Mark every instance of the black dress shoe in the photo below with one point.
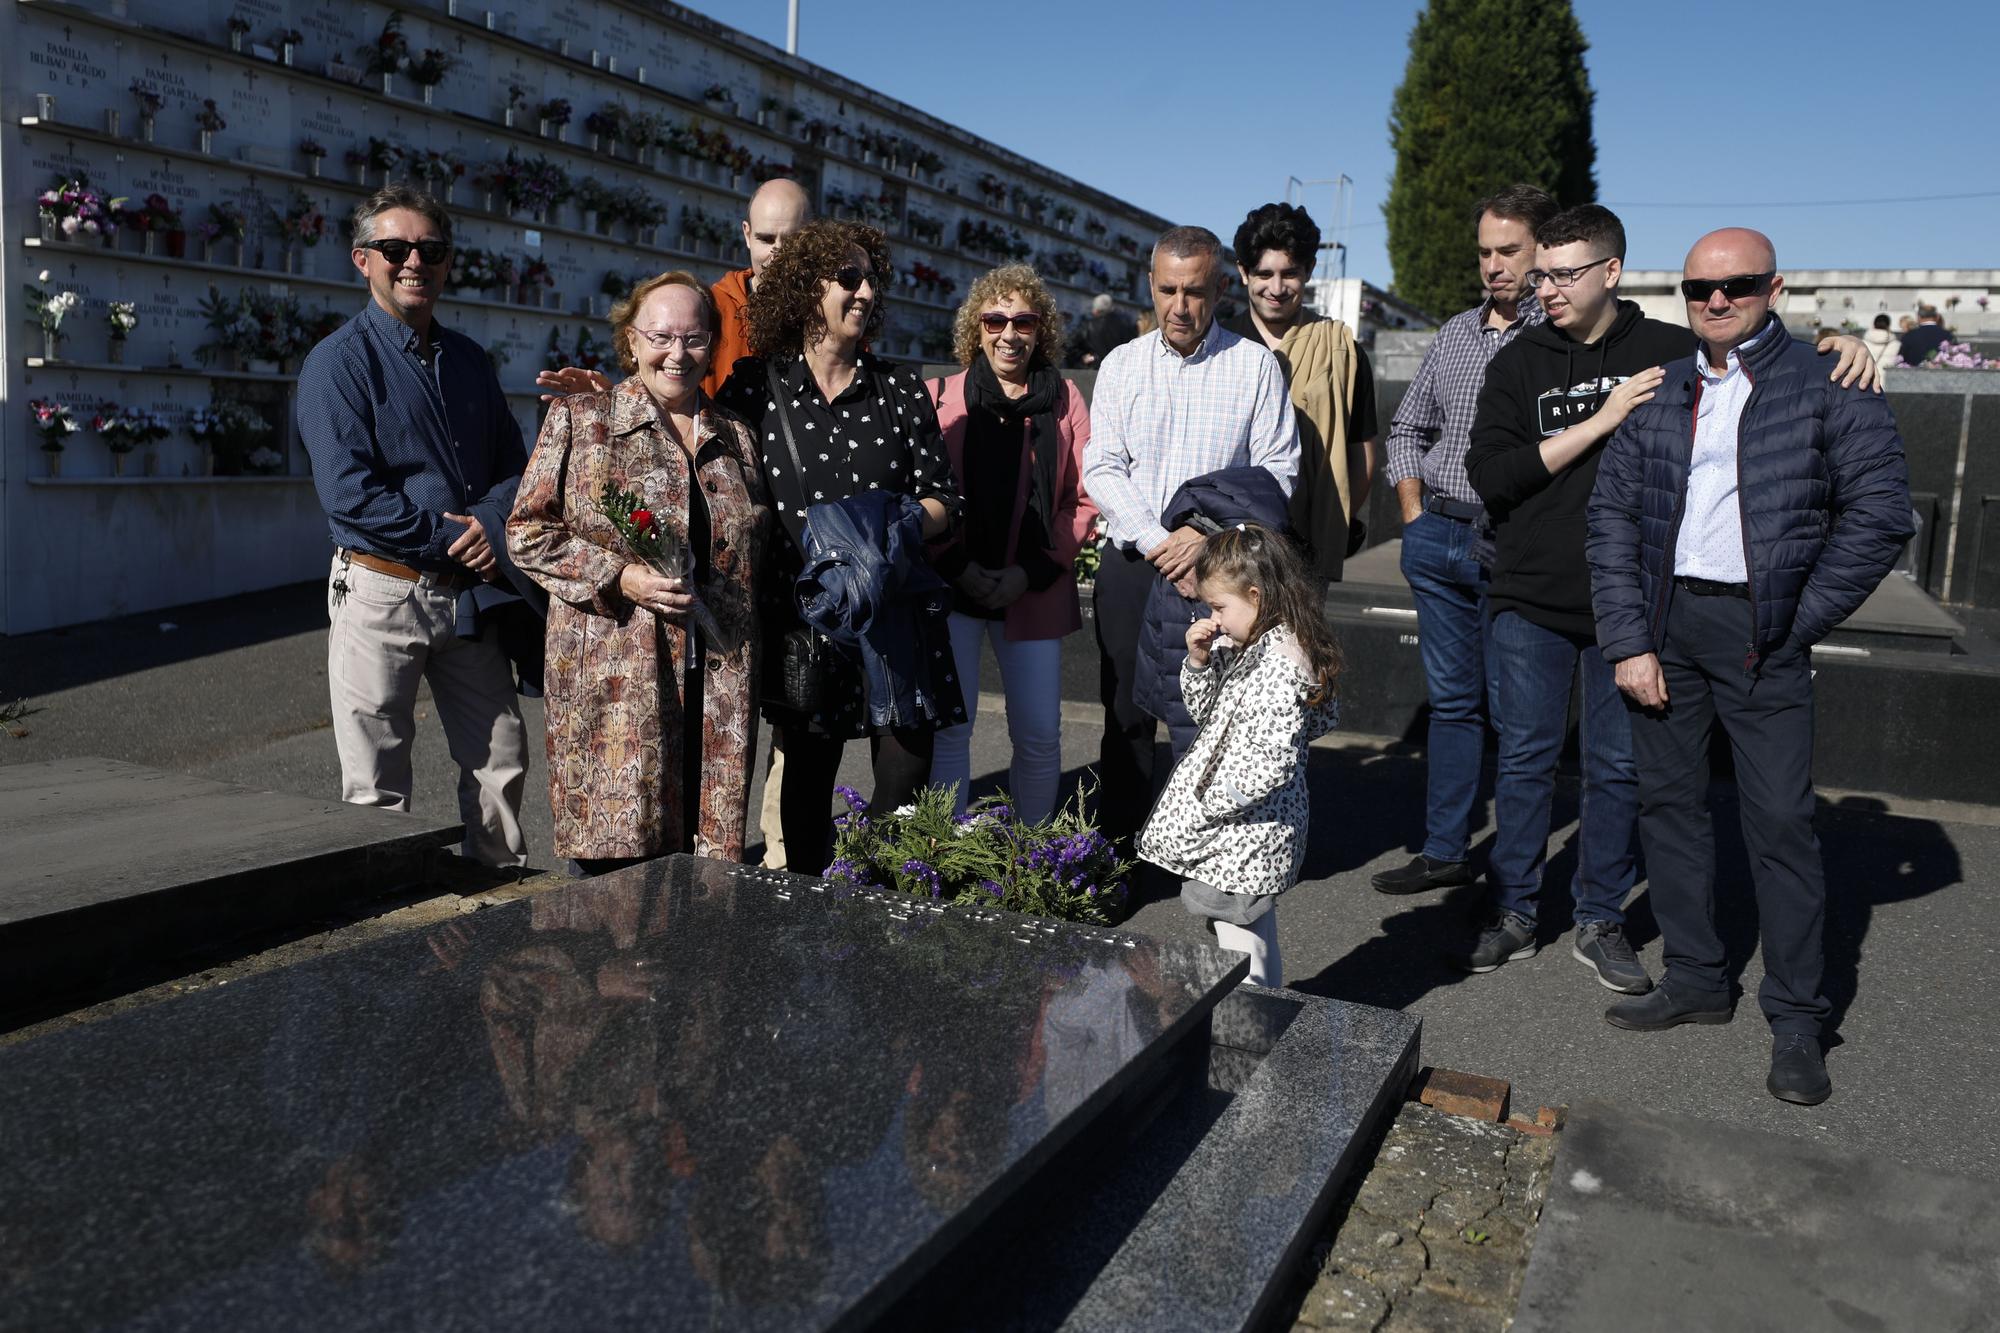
(1421, 875)
(1661, 1008)
(1798, 1070)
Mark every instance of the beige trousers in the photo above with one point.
(387, 634)
(767, 813)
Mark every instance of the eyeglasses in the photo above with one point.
(1561, 277)
(851, 276)
(660, 341)
(1736, 288)
(995, 322)
(431, 252)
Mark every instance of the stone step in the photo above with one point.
(112, 866)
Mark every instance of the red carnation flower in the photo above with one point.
(642, 518)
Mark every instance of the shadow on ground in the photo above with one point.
(61, 659)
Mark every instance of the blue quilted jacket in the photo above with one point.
(1821, 479)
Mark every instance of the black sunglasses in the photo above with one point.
(1736, 288)
(431, 252)
(995, 322)
(851, 276)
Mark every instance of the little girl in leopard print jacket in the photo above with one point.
(1259, 680)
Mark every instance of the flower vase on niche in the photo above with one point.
(45, 106)
(51, 345)
(208, 143)
(146, 129)
(51, 229)
(111, 121)
(429, 89)
(118, 462)
(388, 85)
(114, 351)
(286, 51)
(55, 461)
(149, 242)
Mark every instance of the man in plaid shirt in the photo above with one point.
(1443, 528)
(1188, 399)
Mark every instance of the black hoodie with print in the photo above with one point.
(1540, 385)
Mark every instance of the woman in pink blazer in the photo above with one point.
(1015, 431)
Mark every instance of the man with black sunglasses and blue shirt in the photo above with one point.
(416, 459)
(1738, 517)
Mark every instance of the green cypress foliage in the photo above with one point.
(1495, 92)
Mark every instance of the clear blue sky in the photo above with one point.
(1698, 101)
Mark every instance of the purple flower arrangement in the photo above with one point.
(988, 857)
(78, 209)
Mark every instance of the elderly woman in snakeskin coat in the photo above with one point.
(651, 705)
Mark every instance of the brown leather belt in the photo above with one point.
(455, 582)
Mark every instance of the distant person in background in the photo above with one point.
(1921, 343)
(1105, 329)
(1332, 385)
(1905, 324)
(1015, 431)
(1148, 322)
(1883, 345)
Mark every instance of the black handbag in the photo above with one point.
(798, 660)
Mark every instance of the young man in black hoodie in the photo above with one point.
(1551, 400)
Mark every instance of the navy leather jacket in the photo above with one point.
(867, 586)
(1210, 502)
(1821, 480)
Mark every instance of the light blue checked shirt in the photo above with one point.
(1159, 419)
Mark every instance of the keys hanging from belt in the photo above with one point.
(339, 588)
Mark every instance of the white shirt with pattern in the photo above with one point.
(1159, 419)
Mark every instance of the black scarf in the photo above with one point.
(993, 421)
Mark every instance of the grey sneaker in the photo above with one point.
(1603, 945)
(1508, 939)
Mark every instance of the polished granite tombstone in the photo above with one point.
(687, 1094)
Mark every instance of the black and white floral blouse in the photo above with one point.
(880, 433)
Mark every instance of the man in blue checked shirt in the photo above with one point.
(1444, 560)
(416, 459)
(1188, 399)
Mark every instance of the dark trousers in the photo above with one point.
(1125, 768)
(1768, 719)
(902, 764)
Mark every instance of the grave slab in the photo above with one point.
(1666, 1222)
(687, 1094)
(110, 864)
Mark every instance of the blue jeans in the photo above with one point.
(1535, 669)
(1450, 591)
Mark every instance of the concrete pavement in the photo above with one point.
(237, 692)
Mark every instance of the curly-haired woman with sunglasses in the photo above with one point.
(834, 422)
(1015, 431)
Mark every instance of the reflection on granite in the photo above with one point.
(686, 1094)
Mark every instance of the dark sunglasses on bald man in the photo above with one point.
(431, 252)
(1736, 288)
(851, 276)
(995, 322)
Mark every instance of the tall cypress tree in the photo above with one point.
(1495, 92)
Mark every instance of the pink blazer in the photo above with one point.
(1054, 611)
